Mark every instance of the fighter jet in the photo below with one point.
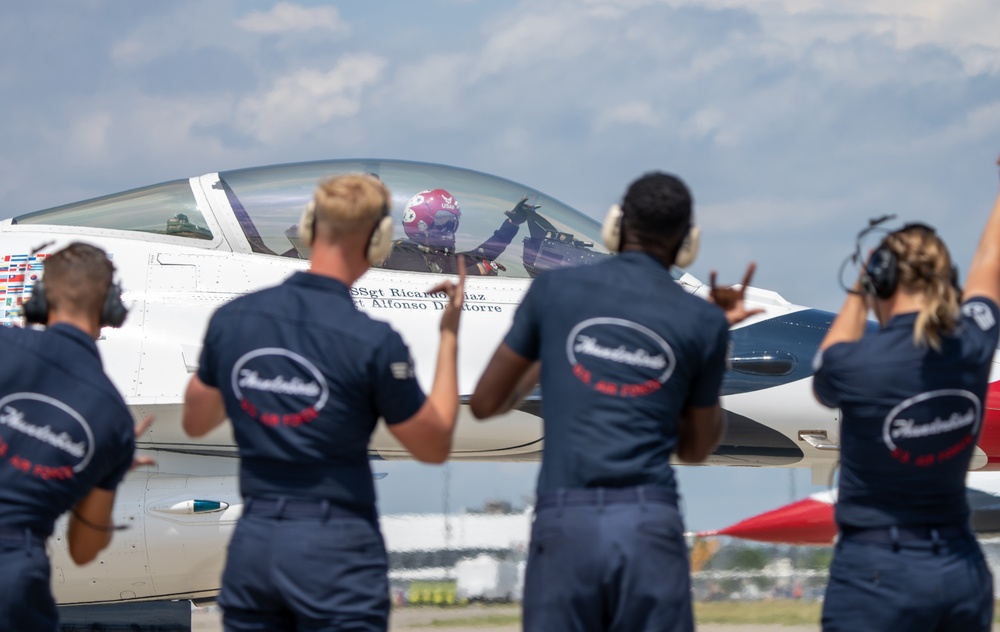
(184, 247)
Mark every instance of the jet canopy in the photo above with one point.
(268, 202)
(257, 210)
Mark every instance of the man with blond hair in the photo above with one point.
(303, 376)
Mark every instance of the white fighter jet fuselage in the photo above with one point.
(185, 247)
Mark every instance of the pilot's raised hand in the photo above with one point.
(730, 299)
(519, 214)
(456, 298)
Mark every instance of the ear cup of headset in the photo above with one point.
(611, 235)
(380, 243)
(36, 308)
(113, 312)
(611, 229)
(689, 248)
(307, 223)
(881, 273)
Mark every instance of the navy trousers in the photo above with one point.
(26, 602)
(305, 566)
(610, 560)
(928, 584)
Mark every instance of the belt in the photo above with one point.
(905, 535)
(598, 496)
(305, 509)
(24, 534)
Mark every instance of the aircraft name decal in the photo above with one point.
(398, 298)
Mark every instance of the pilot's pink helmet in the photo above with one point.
(431, 218)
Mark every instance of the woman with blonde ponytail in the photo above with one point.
(911, 397)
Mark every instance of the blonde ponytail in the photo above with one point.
(925, 268)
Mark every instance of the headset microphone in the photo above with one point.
(856, 257)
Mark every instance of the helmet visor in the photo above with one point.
(445, 222)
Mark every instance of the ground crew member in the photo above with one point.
(304, 377)
(911, 398)
(66, 436)
(630, 367)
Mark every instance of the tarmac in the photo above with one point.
(421, 618)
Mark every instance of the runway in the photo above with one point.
(474, 619)
(487, 619)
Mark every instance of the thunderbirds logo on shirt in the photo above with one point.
(43, 437)
(932, 427)
(619, 357)
(278, 387)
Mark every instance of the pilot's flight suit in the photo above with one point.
(623, 351)
(64, 429)
(906, 558)
(305, 377)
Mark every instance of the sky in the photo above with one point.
(793, 122)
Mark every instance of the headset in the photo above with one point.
(880, 274)
(611, 235)
(379, 241)
(113, 312)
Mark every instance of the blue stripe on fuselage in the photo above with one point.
(776, 351)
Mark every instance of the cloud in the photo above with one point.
(308, 99)
(634, 113)
(286, 17)
(961, 27)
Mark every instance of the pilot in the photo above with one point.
(911, 399)
(66, 436)
(304, 377)
(631, 366)
(431, 219)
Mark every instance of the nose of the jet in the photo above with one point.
(806, 521)
(989, 437)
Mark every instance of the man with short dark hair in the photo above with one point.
(66, 436)
(630, 367)
(304, 377)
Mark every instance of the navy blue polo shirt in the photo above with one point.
(910, 418)
(624, 349)
(305, 377)
(64, 428)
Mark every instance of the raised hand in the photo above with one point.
(456, 298)
(730, 299)
(519, 214)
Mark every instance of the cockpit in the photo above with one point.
(169, 208)
(266, 204)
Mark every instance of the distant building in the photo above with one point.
(427, 546)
